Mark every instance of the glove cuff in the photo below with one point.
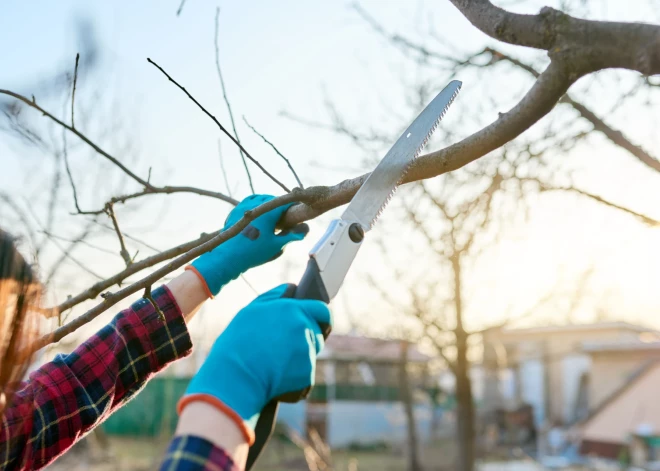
(246, 430)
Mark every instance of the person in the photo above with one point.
(269, 348)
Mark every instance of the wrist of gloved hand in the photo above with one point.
(268, 351)
(256, 244)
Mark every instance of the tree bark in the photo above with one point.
(407, 399)
(465, 413)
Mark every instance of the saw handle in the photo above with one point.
(310, 287)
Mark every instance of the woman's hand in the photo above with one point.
(254, 246)
(268, 350)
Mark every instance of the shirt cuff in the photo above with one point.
(190, 452)
(165, 326)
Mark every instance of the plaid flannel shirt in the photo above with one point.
(66, 398)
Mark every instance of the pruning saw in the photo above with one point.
(333, 254)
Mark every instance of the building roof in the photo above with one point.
(354, 347)
(643, 372)
(621, 345)
(576, 328)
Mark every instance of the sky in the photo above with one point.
(290, 56)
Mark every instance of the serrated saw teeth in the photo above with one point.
(417, 154)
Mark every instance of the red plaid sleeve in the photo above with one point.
(66, 398)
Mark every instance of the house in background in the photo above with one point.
(549, 368)
(624, 383)
(358, 398)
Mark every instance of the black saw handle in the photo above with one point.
(310, 287)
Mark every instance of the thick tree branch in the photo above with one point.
(614, 135)
(587, 45)
(539, 101)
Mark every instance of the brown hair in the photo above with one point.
(19, 292)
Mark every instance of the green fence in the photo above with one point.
(153, 410)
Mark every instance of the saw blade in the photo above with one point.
(374, 194)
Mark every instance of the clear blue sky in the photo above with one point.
(289, 55)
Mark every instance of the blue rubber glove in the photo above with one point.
(254, 246)
(268, 350)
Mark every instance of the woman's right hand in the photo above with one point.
(268, 350)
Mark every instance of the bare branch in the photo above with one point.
(67, 254)
(52, 236)
(148, 297)
(127, 236)
(614, 135)
(587, 45)
(222, 128)
(222, 167)
(226, 98)
(300, 185)
(65, 153)
(149, 189)
(178, 12)
(112, 159)
(164, 190)
(538, 102)
(110, 299)
(570, 189)
(73, 92)
(123, 252)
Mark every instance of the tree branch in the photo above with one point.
(180, 9)
(123, 252)
(73, 92)
(614, 135)
(226, 98)
(149, 189)
(222, 128)
(539, 101)
(588, 45)
(110, 299)
(300, 185)
(84, 138)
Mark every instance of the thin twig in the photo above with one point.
(178, 12)
(50, 235)
(66, 253)
(163, 190)
(276, 151)
(224, 94)
(123, 252)
(73, 93)
(128, 236)
(112, 159)
(149, 189)
(222, 128)
(148, 297)
(65, 153)
(222, 167)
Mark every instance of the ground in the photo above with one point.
(132, 454)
